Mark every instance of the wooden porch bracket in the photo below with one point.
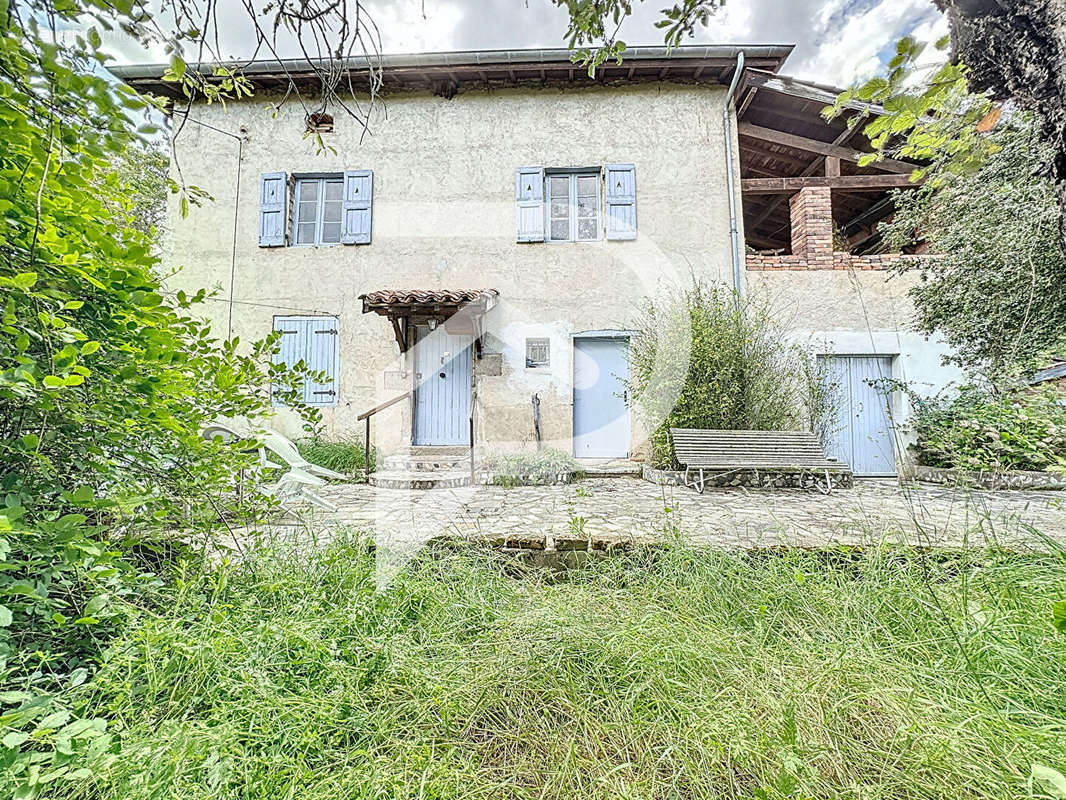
(821, 148)
(851, 183)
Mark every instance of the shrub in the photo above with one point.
(347, 455)
(978, 430)
(541, 466)
(700, 361)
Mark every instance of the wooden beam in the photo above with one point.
(832, 167)
(851, 183)
(822, 148)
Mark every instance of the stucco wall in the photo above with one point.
(444, 218)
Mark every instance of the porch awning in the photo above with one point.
(461, 310)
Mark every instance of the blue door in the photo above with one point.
(442, 388)
(861, 431)
(601, 418)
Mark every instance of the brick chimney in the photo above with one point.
(811, 213)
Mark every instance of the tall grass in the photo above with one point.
(678, 673)
(345, 455)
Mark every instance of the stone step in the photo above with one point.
(426, 462)
(407, 479)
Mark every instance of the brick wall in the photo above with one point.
(811, 212)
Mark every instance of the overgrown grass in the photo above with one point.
(536, 466)
(345, 455)
(673, 674)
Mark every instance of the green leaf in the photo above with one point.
(89, 348)
(14, 739)
(1051, 781)
(1058, 616)
(5, 616)
(24, 280)
(53, 381)
(30, 441)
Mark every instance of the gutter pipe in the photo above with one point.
(727, 124)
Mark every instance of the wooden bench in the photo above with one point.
(721, 452)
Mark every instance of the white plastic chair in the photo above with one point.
(300, 478)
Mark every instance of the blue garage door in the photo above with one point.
(861, 432)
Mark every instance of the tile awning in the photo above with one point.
(388, 302)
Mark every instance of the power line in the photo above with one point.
(260, 305)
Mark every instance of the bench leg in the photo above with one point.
(703, 485)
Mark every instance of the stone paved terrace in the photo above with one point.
(633, 509)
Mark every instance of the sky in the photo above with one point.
(837, 41)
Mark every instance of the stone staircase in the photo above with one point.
(424, 468)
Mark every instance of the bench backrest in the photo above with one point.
(713, 449)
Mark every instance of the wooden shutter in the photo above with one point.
(320, 355)
(529, 203)
(293, 337)
(273, 193)
(358, 201)
(621, 184)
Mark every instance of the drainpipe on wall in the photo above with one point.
(727, 124)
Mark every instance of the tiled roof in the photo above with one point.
(425, 297)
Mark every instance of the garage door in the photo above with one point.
(861, 432)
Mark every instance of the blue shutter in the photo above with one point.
(621, 201)
(358, 200)
(273, 192)
(529, 203)
(293, 336)
(320, 355)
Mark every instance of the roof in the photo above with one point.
(768, 104)
(495, 68)
(391, 298)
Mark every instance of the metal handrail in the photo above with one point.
(367, 415)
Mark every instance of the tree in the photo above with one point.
(134, 190)
(1016, 50)
(995, 287)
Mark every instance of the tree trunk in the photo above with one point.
(1016, 50)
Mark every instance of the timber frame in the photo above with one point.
(460, 311)
(787, 145)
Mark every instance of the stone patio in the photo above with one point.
(630, 509)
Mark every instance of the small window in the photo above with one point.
(312, 340)
(319, 206)
(536, 353)
(573, 207)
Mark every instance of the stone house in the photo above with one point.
(479, 250)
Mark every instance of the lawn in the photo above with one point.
(672, 673)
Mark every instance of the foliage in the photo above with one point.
(996, 289)
(540, 466)
(105, 382)
(135, 190)
(929, 113)
(346, 455)
(593, 28)
(976, 430)
(674, 672)
(702, 362)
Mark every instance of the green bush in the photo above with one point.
(702, 362)
(980, 431)
(347, 455)
(540, 466)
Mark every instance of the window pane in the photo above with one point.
(305, 233)
(559, 186)
(334, 191)
(588, 185)
(308, 191)
(306, 212)
(331, 232)
(560, 229)
(331, 212)
(586, 229)
(560, 209)
(587, 207)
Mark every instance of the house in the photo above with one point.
(477, 254)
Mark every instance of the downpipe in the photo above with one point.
(730, 177)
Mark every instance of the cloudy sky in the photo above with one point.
(837, 41)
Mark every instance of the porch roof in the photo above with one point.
(393, 302)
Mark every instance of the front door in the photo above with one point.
(601, 417)
(861, 431)
(442, 388)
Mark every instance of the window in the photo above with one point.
(573, 207)
(312, 340)
(536, 353)
(319, 210)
